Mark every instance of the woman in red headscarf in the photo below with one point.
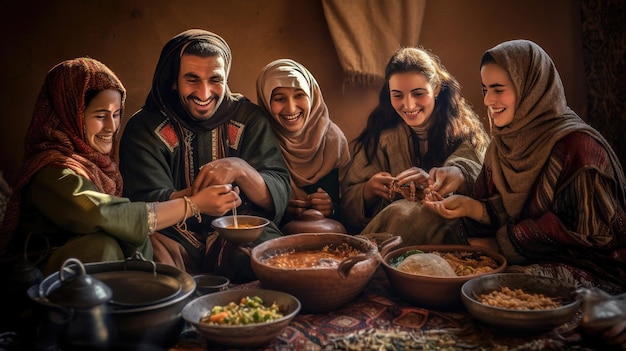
(68, 201)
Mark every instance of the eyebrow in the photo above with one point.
(412, 90)
(495, 85)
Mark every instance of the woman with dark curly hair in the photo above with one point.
(422, 131)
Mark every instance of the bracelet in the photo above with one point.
(194, 210)
(182, 225)
(152, 217)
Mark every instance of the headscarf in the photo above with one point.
(518, 152)
(320, 146)
(56, 135)
(165, 99)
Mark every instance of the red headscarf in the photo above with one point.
(56, 135)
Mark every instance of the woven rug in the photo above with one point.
(378, 320)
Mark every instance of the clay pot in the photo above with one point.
(319, 289)
(313, 221)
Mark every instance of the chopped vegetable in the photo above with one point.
(249, 310)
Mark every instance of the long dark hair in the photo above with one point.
(453, 120)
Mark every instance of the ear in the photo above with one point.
(437, 90)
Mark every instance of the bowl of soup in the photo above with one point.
(431, 276)
(323, 270)
(242, 229)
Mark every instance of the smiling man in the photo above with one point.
(194, 133)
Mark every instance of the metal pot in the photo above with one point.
(145, 307)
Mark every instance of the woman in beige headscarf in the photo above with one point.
(314, 147)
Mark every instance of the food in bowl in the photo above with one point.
(444, 264)
(442, 292)
(251, 335)
(516, 318)
(518, 299)
(321, 288)
(327, 256)
(247, 229)
(248, 310)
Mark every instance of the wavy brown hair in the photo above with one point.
(454, 121)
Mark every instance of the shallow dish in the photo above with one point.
(442, 293)
(250, 335)
(249, 229)
(529, 321)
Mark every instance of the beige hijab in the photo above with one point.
(320, 146)
(519, 151)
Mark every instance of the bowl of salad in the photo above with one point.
(245, 318)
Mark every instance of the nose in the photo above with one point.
(409, 102)
(488, 98)
(111, 123)
(204, 91)
(291, 105)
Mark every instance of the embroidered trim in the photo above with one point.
(235, 132)
(165, 132)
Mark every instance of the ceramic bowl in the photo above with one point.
(210, 283)
(241, 336)
(319, 289)
(441, 293)
(518, 321)
(248, 230)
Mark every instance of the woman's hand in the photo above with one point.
(217, 200)
(454, 206)
(377, 187)
(321, 201)
(414, 174)
(446, 180)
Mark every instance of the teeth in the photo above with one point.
(499, 110)
(291, 117)
(202, 103)
(411, 113)
(106, 138)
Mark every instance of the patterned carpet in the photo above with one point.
(377, 320)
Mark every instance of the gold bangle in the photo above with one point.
(182, 225)
(194, 210)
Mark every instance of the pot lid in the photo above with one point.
(79, 290)
(139, 288)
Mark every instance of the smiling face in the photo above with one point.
(102, 119)
(412, 97)
(290, 107)
(499, 94)
(201, 85)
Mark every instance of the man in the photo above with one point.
(193, 133)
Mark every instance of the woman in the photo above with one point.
(68, 194)
(314, 148)
(552, 193)
(421, 122)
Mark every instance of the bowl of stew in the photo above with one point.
(323, 270)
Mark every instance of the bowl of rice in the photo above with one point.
(518, 302)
